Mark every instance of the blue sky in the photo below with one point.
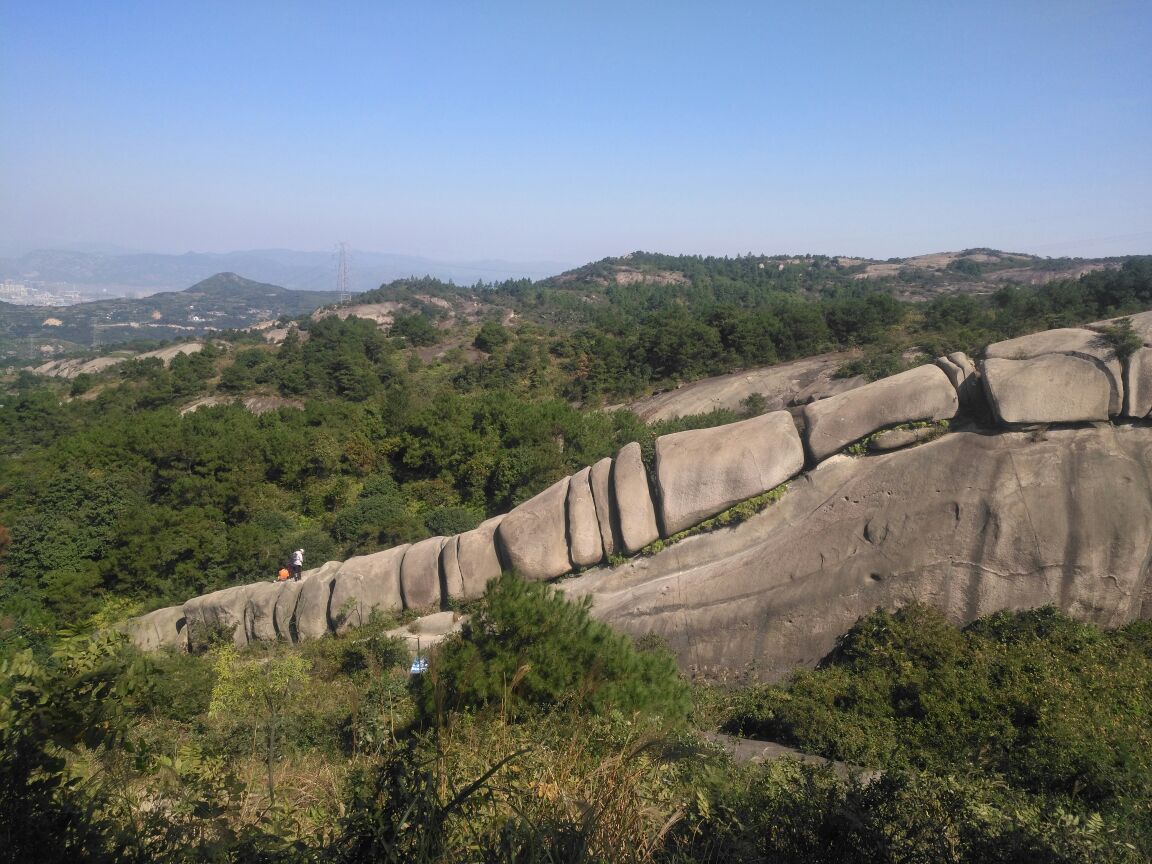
(573, 131)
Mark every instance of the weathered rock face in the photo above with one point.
(451, 576)
(600, 480)
(218, 613)
(1138, 384)
(964, 376)
(702, 472)
(260, 612)
(533, 537)
(636, 515)
(159, 629)
(1053, 388)
(898, 439)
(476, 555)
(311, 616)
(970, 523)
(364, 583)
(584, 545)
(420, 574)
(284, 612)
(923, 393)
(1086, 345)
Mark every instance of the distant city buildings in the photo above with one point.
(31, 293)
(13, 292)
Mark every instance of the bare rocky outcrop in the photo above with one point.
(420, 574)
(1052, 388)
(1086, 345)
(1138, 384)
(311, 616)
(533, 537)
(365, 583)
(702, 472)
(923, 393)
(635, 513)
(584, 544)
(898, 439)
(477, 557)
(284, 612)
(260, 612)
(427, 631)
(600, 481)
(215, 615)
(796, 382)
(970, 523)
(159, 629)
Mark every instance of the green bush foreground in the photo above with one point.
(539, 736)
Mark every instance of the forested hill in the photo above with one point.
(114, 491)
(119, 495)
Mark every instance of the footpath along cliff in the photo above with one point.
(1039, 493)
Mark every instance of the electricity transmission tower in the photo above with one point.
(96, 328)
(342, 274)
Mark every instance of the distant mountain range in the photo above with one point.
(222, 302)
(312, 271)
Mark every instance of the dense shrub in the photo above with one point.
(1049, 707)
(528, 645)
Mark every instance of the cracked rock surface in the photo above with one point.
(970, 523)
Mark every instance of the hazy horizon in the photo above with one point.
(520, 133)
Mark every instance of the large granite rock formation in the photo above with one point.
(420, 574)
(584, 545)
(533, 537)
(310, 619)
(1138, 384)
(1052, 388)
(219, 614)
(1085, 345)
(600, 480)
(260, 612)
(701, 472)
(365, 583)
(970, 523)
(477, 558)
(159, 629)
(284, 612)
(636, 515)
(923, 393)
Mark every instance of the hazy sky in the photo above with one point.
(572, 131)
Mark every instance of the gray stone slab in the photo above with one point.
(478, 559)
(923, 393)
(702, 472)
(1074, 342)
(635, 511)
(533, 537)
(420, 574)
(584, 545)
(1138, 384)
(311, 617)
(365, 583)
(1051, 388)
(161, 628)
(220, 613)
(260, 611)
(600, 481)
